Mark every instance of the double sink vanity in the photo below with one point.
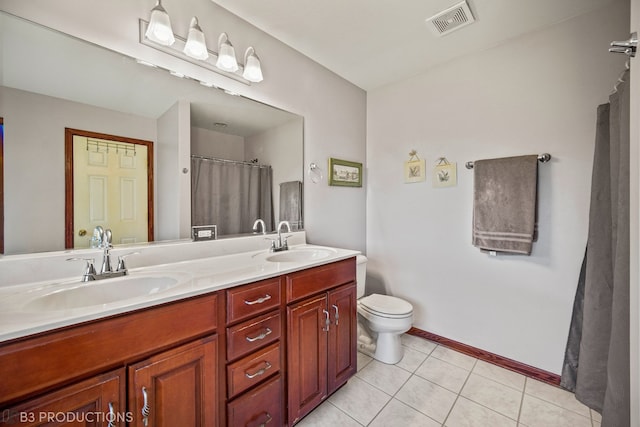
(197, 334)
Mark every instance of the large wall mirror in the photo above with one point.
(244, 158)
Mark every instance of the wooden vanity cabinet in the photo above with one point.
(169, 349)
(255, 354)
(93, 402)
(321, 334)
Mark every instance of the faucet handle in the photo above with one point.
(121, 258)
(89, 271)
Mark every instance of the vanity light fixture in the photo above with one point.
(252, 69)
(158, 34)
(226, 55)
(196, 47)
(159, 29)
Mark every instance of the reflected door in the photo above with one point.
(110, 189)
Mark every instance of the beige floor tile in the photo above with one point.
(540, 413)
(443, 373)
(595, 416)
(427, 397)
(454, 357)
(493, 395)
(360, 400)
(327, 415)
(417, 343)
(411, 359)
(363, 360)
(498, 374)
(388, 378)
(466, 413)
(556, 395)
(397, 414)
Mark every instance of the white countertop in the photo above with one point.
(195, 277)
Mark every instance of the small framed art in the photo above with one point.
(414, 171)
(345, 173)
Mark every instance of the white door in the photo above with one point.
(110, 190)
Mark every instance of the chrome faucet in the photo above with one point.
(106, 272)
(260, 223)
(280, 244)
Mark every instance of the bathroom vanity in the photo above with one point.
(223, 349)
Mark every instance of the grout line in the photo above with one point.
(522, 400)
(356, 421)
(459, 393)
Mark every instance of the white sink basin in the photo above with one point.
(101, 292)
(300, 255)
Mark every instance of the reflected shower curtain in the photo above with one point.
(231, 195)
(596, 365)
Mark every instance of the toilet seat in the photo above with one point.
(386, 306)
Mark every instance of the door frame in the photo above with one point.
(69, 133)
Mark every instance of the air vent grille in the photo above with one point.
(451, 19)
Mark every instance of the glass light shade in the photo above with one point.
(252, 69)
(159, 29)
(196, 47)
(226, 55)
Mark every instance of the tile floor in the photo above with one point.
(434, 386)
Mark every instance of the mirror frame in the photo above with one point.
(69, 133)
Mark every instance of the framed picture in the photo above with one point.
(414, 171)
(445, 174)
(344, 173)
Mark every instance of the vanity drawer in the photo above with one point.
(261, 406)
(255, 298)
(252, 369)
(318, 279)
(253, 334)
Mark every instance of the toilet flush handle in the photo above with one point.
(335, 307)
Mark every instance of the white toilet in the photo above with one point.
(382, 319)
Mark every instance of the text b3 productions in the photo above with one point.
(10, 418)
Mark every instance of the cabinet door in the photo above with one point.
(342, 356)
(98, 401)
(307, 350)
(176, 388)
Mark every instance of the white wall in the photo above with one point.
(34, 162)
(279, 147)
(334, 109)
(534, 94)
(209, 143)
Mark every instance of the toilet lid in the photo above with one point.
(386, 304)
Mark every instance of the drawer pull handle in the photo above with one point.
(265, 422)
(259, 337)
(335, 307)
(267, 365)
(112, 416)
(260, 300)
(327, 322)
(146, 410)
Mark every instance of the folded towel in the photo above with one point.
(291, 204)
(504, 204)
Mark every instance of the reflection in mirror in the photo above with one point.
(69, 83)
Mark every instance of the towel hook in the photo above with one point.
(315, 173)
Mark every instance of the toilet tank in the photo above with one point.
(361, 274)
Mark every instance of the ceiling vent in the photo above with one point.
(451, 19)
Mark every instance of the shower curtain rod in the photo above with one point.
(542, 158)
(236, 162)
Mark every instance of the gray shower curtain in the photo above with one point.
(231, 195)
(596, 365)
